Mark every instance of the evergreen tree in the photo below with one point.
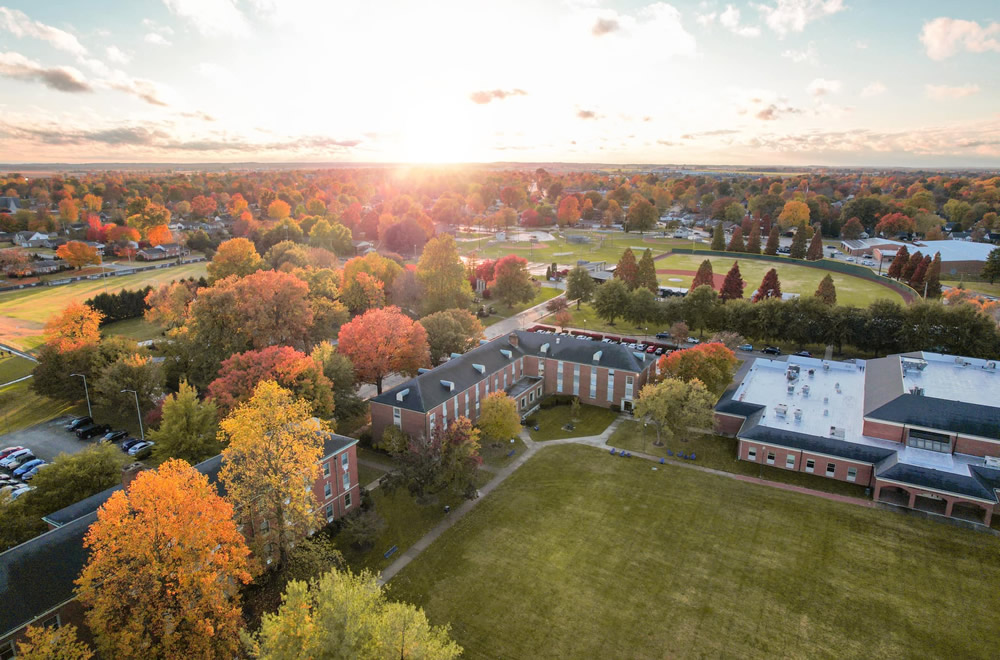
(718, 238)
(920, 274)
(933, 277)
(732, 287)
(826, 291)
(815, 251)
(911, 266)
(769, 287)
(799, 242)
(772, 241)
(898, 264)
(647, 272)
(736, 242)
(703, 276)
(991, 269)
(753, 240)
(628, 270)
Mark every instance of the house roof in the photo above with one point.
(954, 416)
(850, 450)
(938, 480)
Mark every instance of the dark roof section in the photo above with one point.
(849, 450)
(955, 416)
(988, 477)
(334, 444)
(883, 382)
(938, 480)
(425, 391)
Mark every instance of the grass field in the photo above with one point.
(580, 555)
(13, 367)
(603, 247)
(550, 421)
(802, 280)
(20, 407)
(500, 456)
(23, 313)
(368, 474)
(542, 294)
(137, 329)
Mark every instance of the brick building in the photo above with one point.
(36, 577)
(922, 430)
(527, 366)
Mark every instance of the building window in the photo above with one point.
(326, 469)
(576, 380)
(347, 481)
(559, 377)
(347, 501)
(810, 465)
(629, 380)
(505, 380)
(752, 454)
(790, 461)
(928, 440)
(327, 490)
(524, 402)
(593, 383)
(7, 650)
(831, 468)
(770, 458)
(264, 526)
(611, 384)
(466, 404)
(531, 396)
(52, 622)
(852, 473)
(433, 423)
(329, 512)
(397, 418)
(345, 461)
(520, 367)
(541, 368)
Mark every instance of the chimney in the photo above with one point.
(130, 472)
(512, 339)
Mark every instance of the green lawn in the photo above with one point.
(23, 313)
(367, 474)
(499, 456)
(542, 294)
(21, 408)
(580, 555)
(802, 280)
(719, 452)
(603, 247)
(138, 329)
(550, 421)
(13, 367)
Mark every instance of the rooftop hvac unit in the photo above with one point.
(919, 391)
(911, 364)
(991, 365)
(805, 390)
(826, 399)
(837, 387)
(780, 410)
(993, 462)
(798, 414)
(791, 389)
(826, 366)
(812, 372)
(837, 432)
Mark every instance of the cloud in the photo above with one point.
(586, 114)
(873, 89)
(786, 16)
(942, 92)
(706, 19)
(944, 37)
(484, 97)
(809, 55)
(198, 114)
(823, 87)
(774, 111)
(668, 143)
(730, 19)
(116, 55)
(20, 25)
(712, 133)
(212, 17)
(61, 78)
(605, 26)
(145, 90)
(156, 39)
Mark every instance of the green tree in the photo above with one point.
(112, 399)
(334, 237)
(798, 250)
(339, 370)
(646, 276)
(580, 285)
(641, 307)
(342, 615)
(442, 276)
(610, 300)
(826, 291)
(991, 268)
(676, 408)
(362, 528)
(772, 241)
(511, 281)
(718, 238)
(498, 419)
(451, 331)
(641, 215)
(628, 270)
(698, 307)
(188, 428)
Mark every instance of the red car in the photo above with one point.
(4, 453)
(651, 349)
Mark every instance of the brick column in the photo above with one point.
(989, 515)
(913, 500)
(949, 506)
(878, 491)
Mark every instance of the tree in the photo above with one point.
(78, 254)
(646, 277)
(383, 269)
(753, 240)
(569, 211)
(711, 363)
(899, 263)
(278, 210)
(335, 237)
(815, 251)
(772, 241)
(933, 277)
(770, 287)
(442, 275)
(159, 235)
(732, 286)
(384, 341)
(111, 393)
(826, 291)
(641, 307)
(991, 267)
(628, 270)
(512, 283)
(143, 214)
(363, 292)
(498, 419)
(165, 565)
(704, 276)
(342, 615)
(736, 241)
(287, 255)
(580, 285)
(919, 276)
(610, 300)
(641, 215)
(892, 224)
(718, 238)
(187, 429)
(563, 318)
(76, 326)
(52, 643)
(911, 265)
(237, 256)
(203, 207)
(15, 261)
(676, 407)
(793, 214)
(274, 447)
(613, 214)
(729, 339)
(339, 371)
(289, 368)
(460, 459)
(363, 527)
(451, 331)
(852, 229)
(798, 250)
(698, 306)
(69, 211)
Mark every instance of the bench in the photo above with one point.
(391, 551)
(511, 453)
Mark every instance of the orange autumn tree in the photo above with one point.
(165, 568)
(159, 235)
(76, 326)
(384, 341)
(78, 254)
(713, 364)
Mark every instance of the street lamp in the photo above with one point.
(86, 391)
(142, 434)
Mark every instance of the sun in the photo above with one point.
(433, 134)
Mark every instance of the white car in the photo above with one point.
(20, 491)
(14, 459)
(138, 447)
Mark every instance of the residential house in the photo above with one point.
(30, 239)
(164, 251)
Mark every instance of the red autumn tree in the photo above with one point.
(628, 269)
(933, 277)
(121, 233)
(895, 223)
(852, 229)
(736, 241)
(96, 230)
(78, 254)
(703, 276)
(769, 287)
(815, 251)
(203, 207)
(237, 205)
(486, 271)
(911, 265)
(384, 341)
(732, 287)
(898, 264)
(919, 274)
(293, 370)
(826, 291)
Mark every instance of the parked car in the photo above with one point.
(88, 432)
(26, 467)
(771, 350)
(114, 436)
(663, 335)
(804, 354)
(651, 349)
(127, 444)
(659, 350)
(4, 453)
(692, 340)
(784, 250)
(20, 491)
(13, 459)
(135, 449)
(77, 422)
(35, 470)
(745, 347)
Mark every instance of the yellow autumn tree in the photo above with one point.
(50, 643)
(165, 568)
(793, 214)
(270, 464)
(76, 326)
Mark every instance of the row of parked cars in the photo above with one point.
(20, 466)
(85, 429)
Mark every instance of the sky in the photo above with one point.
(912, 83)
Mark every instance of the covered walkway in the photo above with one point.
(936, 502)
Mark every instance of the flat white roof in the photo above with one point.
(955, 250)
(955, 378)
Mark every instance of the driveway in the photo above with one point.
(47, 440)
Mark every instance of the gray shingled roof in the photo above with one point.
(883, 382)
(954, 416)
(948, 482)
(849, 450)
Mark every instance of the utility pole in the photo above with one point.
(86, 391)
(142, 433)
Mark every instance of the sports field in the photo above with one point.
(581, 555)
(23, 313)
(602, 247)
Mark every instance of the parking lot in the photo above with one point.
(46, 441)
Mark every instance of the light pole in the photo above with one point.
(142, 434)
(86, 391)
